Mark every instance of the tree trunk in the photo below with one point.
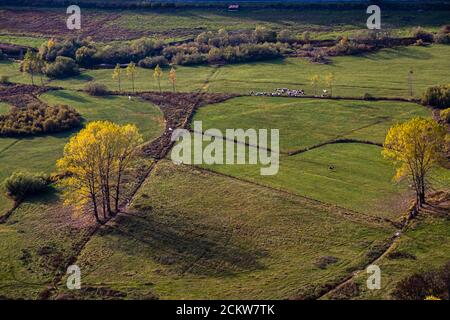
(116, 200)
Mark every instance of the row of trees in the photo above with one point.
(130, 71)
(96, 161)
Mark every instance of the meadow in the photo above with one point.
(225, 231)
(384, 73)
(182, 239)
(304, 123)
(177, 24)
(39, 154)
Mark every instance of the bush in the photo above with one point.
(445, 115)
(96, 89)
(62, 67)
(152, 62)
(443, 36)
(437, 96)
(85, 56)
(38, 119)
(367, 96)
(423, 35)
(421, 285)
(22, 184)
(189, 59)
(4, 79)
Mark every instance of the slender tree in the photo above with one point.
(329, 81)
(157, 75)
(117, 74)
(314, 80)
(415, 147)
(131, 71)
(173, 78)
(410, 82)
(29, 64)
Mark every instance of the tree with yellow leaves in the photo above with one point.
(29, 64)
(314, 80)
(415, 147)
(131, 71)
(157, 75)
(95, 162)
(173, 78)
(329, 82)
(116, 74)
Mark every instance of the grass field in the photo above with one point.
(37, 239)
(181, 23)
(40, 153)
(4, 108)
(34, 42)
(304, 123)
(226, 231)
(384, 73)
(186, 240)
(427, 243)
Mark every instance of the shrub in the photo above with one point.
(443, 36)
(38, 119)
(262, 34)
(4, 79)
(62, 67)
(437, 96)
(96, 89)
(421, 285)
(445, 115)
(423, 35)
(189, 59)
(22, 184)
(85, 56)
(152, 62)
(367, 96)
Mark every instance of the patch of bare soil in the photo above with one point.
(52, 23)
(21, 95)
(178, 109)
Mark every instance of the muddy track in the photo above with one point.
(350, 278)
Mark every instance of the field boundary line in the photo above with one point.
(346, 211)
(335, 141)
(392, 242)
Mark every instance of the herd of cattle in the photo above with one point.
(285, 92)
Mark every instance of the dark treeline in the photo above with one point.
(62, 57)
(311, 4)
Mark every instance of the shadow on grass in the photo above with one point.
(183, 246)
(405, 52)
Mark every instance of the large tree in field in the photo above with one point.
(415, 147)
(95, 162)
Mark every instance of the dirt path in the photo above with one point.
(350, 278)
